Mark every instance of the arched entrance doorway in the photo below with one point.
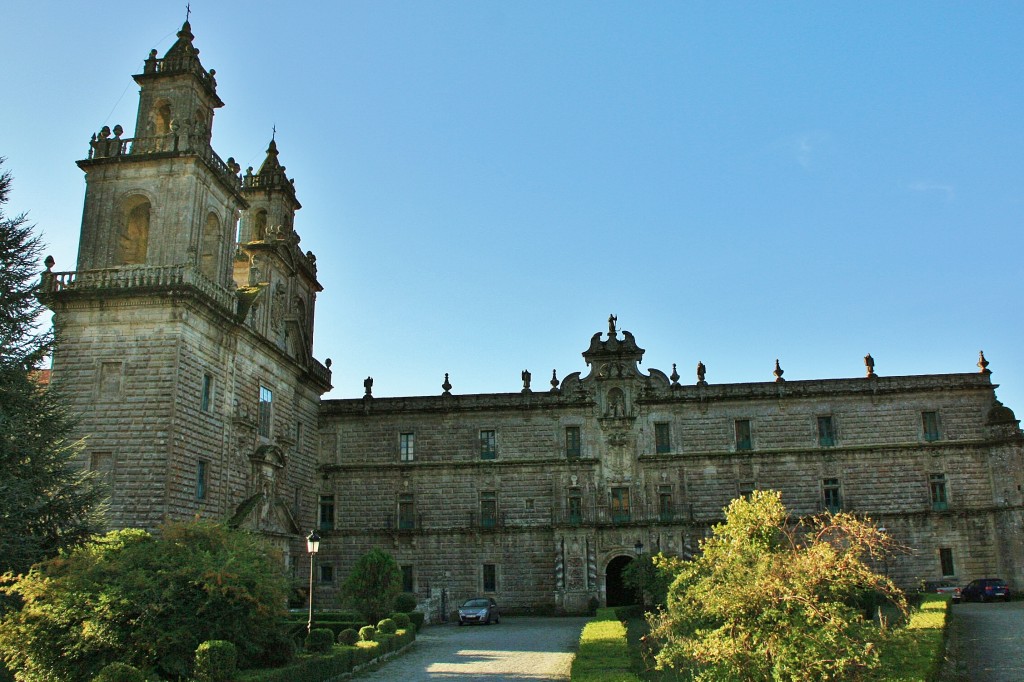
(616, 592)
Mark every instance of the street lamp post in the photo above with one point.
(639, 547)
(312, 546)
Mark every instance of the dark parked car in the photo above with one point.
(479, 610)
(986, 589)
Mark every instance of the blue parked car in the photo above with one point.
(986, 589)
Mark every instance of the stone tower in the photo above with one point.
(188, 354)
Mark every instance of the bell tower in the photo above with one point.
(188, 355)
(163, 198)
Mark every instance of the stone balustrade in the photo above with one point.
(136, 277)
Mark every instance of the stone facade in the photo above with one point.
(556, 488)
(188, 353)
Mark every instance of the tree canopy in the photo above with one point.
(147, 601)
(46, 502)
(372, 585)
(770, 598)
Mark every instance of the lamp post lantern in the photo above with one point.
(312, 546)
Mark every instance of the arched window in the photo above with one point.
(160, 117)
(133, 238)
(259, 226)
(208, 255)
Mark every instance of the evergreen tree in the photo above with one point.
(46, 503)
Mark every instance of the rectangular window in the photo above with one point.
(488, 509)
(930, 425)
(490, 575)
(327, 512)
(103, 464)
(110, 378)
(407, 446)
(488, 445)
(265, 415)
(406, 512)
(573, 448)
(298, 436)
(665, 512)
(326, 573)
(620, 505)
(826, 431)
(830, 493)
(575, 508)
(937, 485)
(662, 440)
(202, 471)
(206, 401)
(407, 575)
(946, 562)
(745, 490)
(743, 441)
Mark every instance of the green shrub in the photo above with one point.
(216, 661)
(388, 642)
(417, 618)
(279, 650)
(307, 668)
(319, 640)
(387, 626)
(603, 654)
(348, 636)
(367, 633)
(119, 672)
(93, 605)
(366, 651)
(405, 602)
(401, 620)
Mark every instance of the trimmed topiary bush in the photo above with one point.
(387, 627)
(348, 636)
(401, 620)
(367, 633)
(405, 602)
(319, 640)
(216, 661)
(119, 672)
(417, 618)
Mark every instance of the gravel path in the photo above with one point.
(986, 643)
(535, 649)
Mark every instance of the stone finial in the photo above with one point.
(368, 385)
(675, 375)
(983, 363)
(327, 363)
(869, 362)
(447, 385)
(49, 263)
(526, 380)
(554, 380)
(701, 372)
(778, 371)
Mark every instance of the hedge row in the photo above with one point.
(339, 660)
(604, 653)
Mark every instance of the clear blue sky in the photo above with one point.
(484, 183)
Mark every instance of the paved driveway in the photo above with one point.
(986, 643)
(535, 649)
